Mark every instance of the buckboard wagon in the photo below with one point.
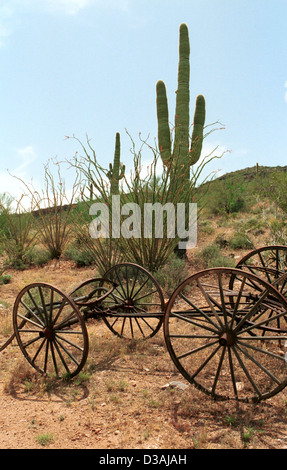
(225, 328)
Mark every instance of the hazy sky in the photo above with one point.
(90, 67)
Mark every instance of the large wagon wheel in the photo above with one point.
(214, 334)
(268, 262)
(135, 309)
(50, 331)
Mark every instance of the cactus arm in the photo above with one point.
(164, 140)
(197, 133)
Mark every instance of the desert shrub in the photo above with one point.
(205, 227)
(5, 279)
(80, 255)
(255, 226)
(278, 229)
(38, 256)
(103, 253)
(240, 241)
(140, 187)
(17, 233)
(213, 257)
(221, 241)
(171, 274)
(227, 197)
(278, 185)
(5, 207)
(52, 212)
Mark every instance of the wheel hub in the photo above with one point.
(129, 303)
(47, 333)
(227, 338)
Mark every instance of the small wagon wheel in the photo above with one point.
(268, 262)
(214, 334)
(135, 309)
(92, 291)
(50, 331)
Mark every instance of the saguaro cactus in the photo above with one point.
(116, 171)
(186, 151)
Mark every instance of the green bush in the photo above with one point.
(255, 226)
(205, 227)
(5, 279)
(240, 241)
(171, 274)
(80, 256)
(38, 256)
(213, 257)
(17, 234)
(221, 241)
(278, 185)
(227, 197)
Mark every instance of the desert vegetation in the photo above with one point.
(124, 384)
(129, 394)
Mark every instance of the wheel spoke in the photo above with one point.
(218, 371)
(246, 372)
(208, 298)
(200, 311)
(264, 369)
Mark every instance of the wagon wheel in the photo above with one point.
(214, 335)
(135, 309)
(268, 262)
(280, 284)
(92, 292)
(50, 331)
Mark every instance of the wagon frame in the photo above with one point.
(225, 329)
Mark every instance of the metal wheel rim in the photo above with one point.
(224, 360)
(268, 262)
(50, 331)
(91, 291)
(137, 305)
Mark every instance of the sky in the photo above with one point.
(90, 68)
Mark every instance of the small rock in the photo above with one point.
(175, 384)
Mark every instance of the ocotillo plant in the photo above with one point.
(185, 151)
(116, 172)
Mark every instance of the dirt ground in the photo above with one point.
(134, 398)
